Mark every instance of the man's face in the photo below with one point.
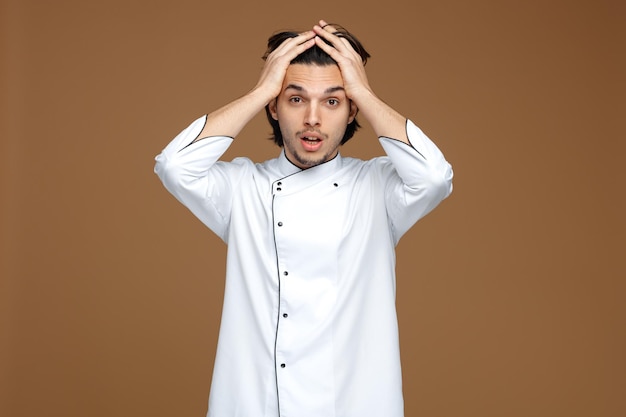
(313, 112)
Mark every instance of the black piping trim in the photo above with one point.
(304, 169)
(404, 143)
(278, 316)
(198, 138)
(410, 145)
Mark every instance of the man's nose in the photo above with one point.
(312, 116)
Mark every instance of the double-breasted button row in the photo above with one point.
(285, 273)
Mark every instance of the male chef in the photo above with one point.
(309, 325)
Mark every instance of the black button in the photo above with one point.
(280, 223)
(278, 189)
(279, 183)
(285, 315)
(336, 185)
(286, 273)
(282, 365)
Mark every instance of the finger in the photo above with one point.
(297, 40)
(327, 26)
(297, 44)
(304, 36)
(329, 49)
(323, 24)
(327, 35)
(338, 43)
(306, 44)
(330, 34)
(324, 28)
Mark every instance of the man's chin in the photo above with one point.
(307, 161)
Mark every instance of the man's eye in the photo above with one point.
(295, 99)
(333, 101)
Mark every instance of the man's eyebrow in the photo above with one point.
(294, 87)
(333, 89)
(329, 90)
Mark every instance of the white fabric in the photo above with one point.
(310, 271)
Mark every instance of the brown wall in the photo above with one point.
(511, 294)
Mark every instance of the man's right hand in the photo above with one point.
(276, 64)
(232, 118)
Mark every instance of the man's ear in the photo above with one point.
(354, 110)
(272, 108)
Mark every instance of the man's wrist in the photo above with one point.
(261, 95)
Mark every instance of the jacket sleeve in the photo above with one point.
(417, 179)
(191, 172)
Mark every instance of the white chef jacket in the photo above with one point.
(309, 324)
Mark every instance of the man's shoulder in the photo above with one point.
(243, 162)
(372, 163)
(243, 166)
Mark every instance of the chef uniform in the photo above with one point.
(309, 325)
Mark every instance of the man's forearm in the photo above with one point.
(233, 117)
(385, 121)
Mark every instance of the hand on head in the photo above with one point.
(277, 62)
(350, 62)
(328, 38)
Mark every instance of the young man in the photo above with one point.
(309, 323)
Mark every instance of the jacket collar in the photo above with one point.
(293, 178)
(287, 168)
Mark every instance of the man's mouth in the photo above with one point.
(310, 139)
(310, 143)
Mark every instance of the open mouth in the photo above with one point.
(310, 140)
(311, 143)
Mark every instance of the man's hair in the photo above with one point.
(313, 56)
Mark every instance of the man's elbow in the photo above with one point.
(440, 181)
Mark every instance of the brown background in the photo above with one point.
(511, 294)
